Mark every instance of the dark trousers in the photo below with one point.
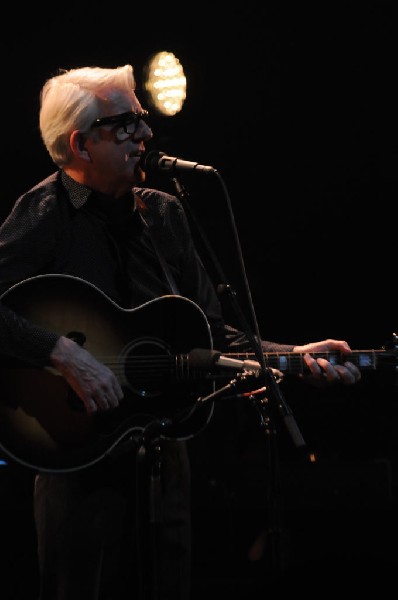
(117, 530)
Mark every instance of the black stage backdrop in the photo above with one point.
(296, 107)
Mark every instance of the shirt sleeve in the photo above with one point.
(23, 340)
(27, 242)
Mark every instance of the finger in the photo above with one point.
(118, 390)
(312, 365)
(349, 374)
(113, 400)
(345, 375)
(354, 370)
(102, 401)
(330, 372)
(321, 369)
(91, 405)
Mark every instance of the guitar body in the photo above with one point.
(43, 424)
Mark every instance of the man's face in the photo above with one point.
(116, 144)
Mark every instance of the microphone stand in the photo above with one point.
(149, 511)
(269, 405)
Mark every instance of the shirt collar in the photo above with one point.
(77, 192)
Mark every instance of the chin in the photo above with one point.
(139, 175)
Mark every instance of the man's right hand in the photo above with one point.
(94, 383)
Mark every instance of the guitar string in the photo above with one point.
(180, 363)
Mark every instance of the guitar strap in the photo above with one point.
(165, 267)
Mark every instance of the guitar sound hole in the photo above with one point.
(78, 337)
(148, 366)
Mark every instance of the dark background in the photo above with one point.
(296, 108)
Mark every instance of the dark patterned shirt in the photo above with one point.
(62, 227)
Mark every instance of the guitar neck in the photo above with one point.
(293, 362)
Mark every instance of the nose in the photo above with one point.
(143, 132)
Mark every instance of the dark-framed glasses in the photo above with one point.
(128, 122)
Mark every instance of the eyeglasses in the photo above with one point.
(128, 121)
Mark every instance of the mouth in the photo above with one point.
(138, 158)
(133, 158)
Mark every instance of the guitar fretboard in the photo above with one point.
(293, 362)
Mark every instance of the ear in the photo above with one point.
(78, 145)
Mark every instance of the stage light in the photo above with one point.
(165, 83)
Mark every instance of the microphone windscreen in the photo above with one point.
(151, 161)
(200, 358)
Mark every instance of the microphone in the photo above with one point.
(159, 161)
(200, 358)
